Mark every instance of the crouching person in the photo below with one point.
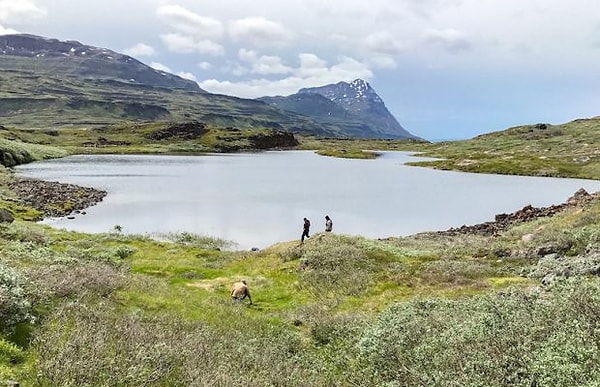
(240, 291)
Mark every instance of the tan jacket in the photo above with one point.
(240, 291)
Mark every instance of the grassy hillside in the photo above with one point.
(36, 100)
(26, 145)
(430, 309)
(41, 95)
(567, 150)
(515, 307)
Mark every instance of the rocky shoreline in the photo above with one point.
(528, 213)
(54, 199)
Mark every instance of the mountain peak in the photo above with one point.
(355, 101)
(353, 96)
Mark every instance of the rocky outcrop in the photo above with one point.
(275, 140)
(6, 216)
(55, 199)
(526, 214)
(103, 142)
(183, 131)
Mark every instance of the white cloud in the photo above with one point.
(246, 55)
(312, 71)
(264, 64)
(270, 65)
(450, 39)
(190, 23)
(15, 11)
(160, 67)
(187, 75)
(205, 65)
(185, 44)
(259, 31)
(311, 64)
(139, 50)
(383, 62)
(350, 68)
(384, 43)
(7, 31)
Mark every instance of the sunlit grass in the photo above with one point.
(314, 305)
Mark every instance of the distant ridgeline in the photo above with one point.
(49, 83)
(355, 103)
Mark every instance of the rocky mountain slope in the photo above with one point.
(48, 83)
(355, 102)
(71, 58)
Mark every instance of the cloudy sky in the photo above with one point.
(446, 69)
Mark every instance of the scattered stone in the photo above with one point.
(528, 213)
(55, 199)
(552, 249)
(501, 252)
(527, 238)
(6, 216)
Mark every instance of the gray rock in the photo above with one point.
(6, 216)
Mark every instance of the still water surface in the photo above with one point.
(257, 199)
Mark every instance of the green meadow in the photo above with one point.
(518, 308)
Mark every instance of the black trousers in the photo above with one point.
(304, 234)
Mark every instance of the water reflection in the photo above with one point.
(258, 199)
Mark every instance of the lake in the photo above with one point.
(258, 199)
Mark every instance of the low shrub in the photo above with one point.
(510, 338)
(15, 306)
(30, 252)
(25, 233)
(199, 241)
(333, 266)
(452, 272)
(10, 353)
(76, 280)
(95, 345)
(553, 267)
(123, 252)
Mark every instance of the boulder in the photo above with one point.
(6, 216)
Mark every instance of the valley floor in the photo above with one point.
(510, 302)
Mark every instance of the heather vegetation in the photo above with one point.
(518, 307)
(428, 309)
(571, 149)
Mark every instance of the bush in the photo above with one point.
(25, 233)
(98, 346)
(459, 273)
(10, 353)
(333, 266)
(199, 241)
(14, 305)
(586, 237)
(123, 252)
(29, 251)
(76, 280)
(512, 338)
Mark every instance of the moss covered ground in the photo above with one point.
(517, 308)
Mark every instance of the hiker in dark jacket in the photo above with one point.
(306, 230)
